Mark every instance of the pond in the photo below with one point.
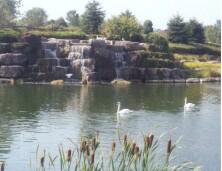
(47, 115)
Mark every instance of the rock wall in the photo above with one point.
(35, 59)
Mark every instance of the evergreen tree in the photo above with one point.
(92, 18)
(9, 11)
(148, 26)
(127, 13)
(73, 17)
(177, 32)
(195, 31)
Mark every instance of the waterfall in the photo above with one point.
(119, 61)
(49, 49)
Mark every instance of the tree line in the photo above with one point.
(123, 26)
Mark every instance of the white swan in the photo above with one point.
(123, 111)
(188, 105)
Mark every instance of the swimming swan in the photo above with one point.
(123, 111)
(188, 105)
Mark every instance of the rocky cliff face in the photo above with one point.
(95, 60)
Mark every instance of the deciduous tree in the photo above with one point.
(35, 17)
(9, 11)
(73, 17)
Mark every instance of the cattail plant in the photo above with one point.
(87, 150)
(42, 159)
(169, 146)
(92, 157)
(69, 155)
(93, 144)
(133, 148)
(3, 166)
(125, 140)
(113, 146)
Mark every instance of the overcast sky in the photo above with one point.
(158, 11)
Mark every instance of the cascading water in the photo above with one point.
(82, 54)
(119, 61)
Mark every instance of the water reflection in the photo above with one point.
(48, 115)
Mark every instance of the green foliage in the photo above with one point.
(177, 32)
(61, 34)
(61, 22)
(148, 26)
(9, 36)
(195, 31)
(203, 69)
(9, 11)
(92, 18)
(119, 27)
(213, 33)
(194, 48)
(128, 14)
(73, 18)
(202, 58)
(148, 54)
(157, 63)
(157, 43)
(131, 155)
(136, 37)
(35, 17)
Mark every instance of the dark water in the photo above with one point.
(49, 115)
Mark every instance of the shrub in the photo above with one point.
(157, 63)
(136, 37)
(202, 58)
(61, 34)
(159, 55)
(157, 43)
(194, 48)
(8, 36)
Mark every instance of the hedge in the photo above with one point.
(8, 36)
(198, 49)
(61, 34)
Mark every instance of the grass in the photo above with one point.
(189, 57)
(130, 155)
(195, 48)
(203, 69)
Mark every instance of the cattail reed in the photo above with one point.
(3, 166)
(69, 155)
(113, 146)
(93, 144)
(82, 146)
(42, 161)
(87, 149)
(137, 150)
(169, 146)
(125, 139)
(133, 148)
(151, 140)
(92, 158)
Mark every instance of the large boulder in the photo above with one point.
(12, 71)
(4, 47)
(12, 59)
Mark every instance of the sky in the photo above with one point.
(158, 11)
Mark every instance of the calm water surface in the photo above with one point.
(49, 115)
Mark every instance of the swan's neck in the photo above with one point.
(118, 108)
(185, 102)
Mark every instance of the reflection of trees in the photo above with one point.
(20, 104)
